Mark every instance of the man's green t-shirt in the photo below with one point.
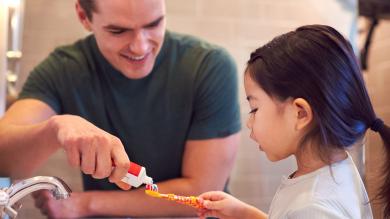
(190, 94)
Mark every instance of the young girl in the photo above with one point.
(308, 99)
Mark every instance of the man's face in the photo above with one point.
(129, 34)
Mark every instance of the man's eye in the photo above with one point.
(253, 111)
(151, 26)
(116, 31)
(154, 24)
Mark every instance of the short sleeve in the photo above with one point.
(316, 211)
(43, 81)
(216, 107)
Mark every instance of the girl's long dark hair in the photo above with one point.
(317, 63)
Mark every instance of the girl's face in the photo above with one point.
(272, 123)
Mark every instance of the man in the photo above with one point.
(170, 99)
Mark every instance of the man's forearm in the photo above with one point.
(24, 148)
(136, 203)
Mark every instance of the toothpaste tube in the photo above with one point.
(136, 176)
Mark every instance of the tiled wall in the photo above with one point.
(240, 26)
(378, 80)
(3, 45)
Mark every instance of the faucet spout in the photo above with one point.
(9, 196)
(58, 187)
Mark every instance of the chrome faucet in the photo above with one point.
(11, 195)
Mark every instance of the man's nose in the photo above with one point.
(139, 43)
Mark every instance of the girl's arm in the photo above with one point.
(224, 206)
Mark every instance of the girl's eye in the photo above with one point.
(253, 111)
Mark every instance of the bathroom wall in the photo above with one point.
(3, 46)
(377, 80)
(240, 26)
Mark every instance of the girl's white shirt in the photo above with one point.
(335, 191)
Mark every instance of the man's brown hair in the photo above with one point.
(88, 6)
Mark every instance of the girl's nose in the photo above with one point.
(249, 122)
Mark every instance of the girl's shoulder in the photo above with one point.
(335, 191)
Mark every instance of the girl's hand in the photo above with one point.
(221, 205)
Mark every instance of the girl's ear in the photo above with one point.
(303, 112)
(83, 16)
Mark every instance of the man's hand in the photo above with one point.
(90, 148)
(76, 206)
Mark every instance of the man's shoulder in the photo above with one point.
(68, 61)
(195, 53)
(78, 51)
(186, 43)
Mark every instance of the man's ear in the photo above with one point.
(83, 16)
(303, 112)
